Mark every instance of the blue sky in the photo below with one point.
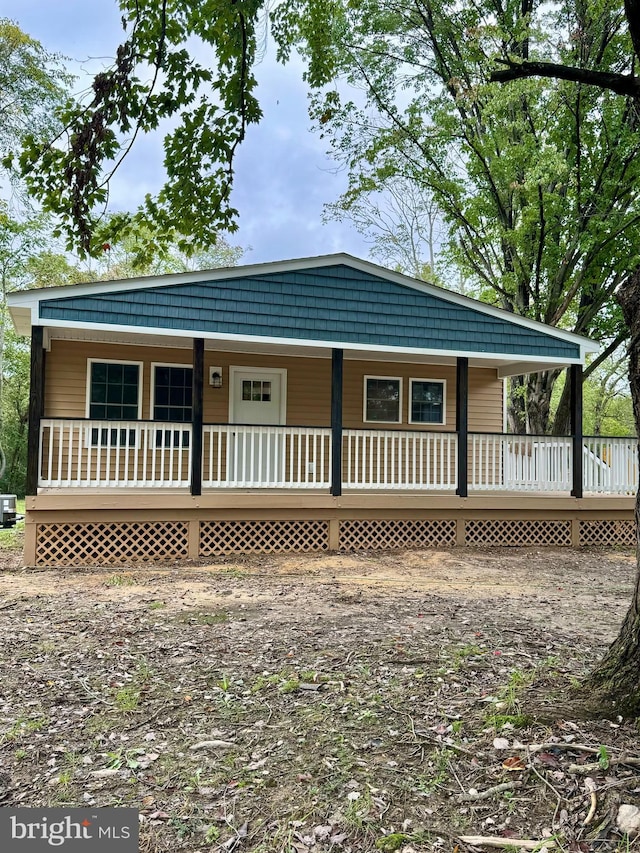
(283, 176)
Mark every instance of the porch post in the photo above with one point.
(36, 408)
(337, 359)
(462, 423)
(196, 416)
(575, 387)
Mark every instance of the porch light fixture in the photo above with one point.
(215, 377)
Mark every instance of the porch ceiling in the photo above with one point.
(504, 365)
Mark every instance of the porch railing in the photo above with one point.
(105, 454)
(147, 454)
(399, 459)
(611, 465)
(545, 463)
(236, 456)
(520, 463)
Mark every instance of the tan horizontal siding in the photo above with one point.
(308, 384)
(485, 401)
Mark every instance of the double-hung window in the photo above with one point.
(172, 401)
(382, 399)
(114, 394)
(427, 401)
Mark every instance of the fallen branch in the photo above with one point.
(584, 769)
(577, 747)
(484, 795)
(590, 785)
(522, 843)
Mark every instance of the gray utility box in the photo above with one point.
(8, 503)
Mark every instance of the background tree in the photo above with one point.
(403, 225)
(33, 83)
(15, 413)
(613, 685)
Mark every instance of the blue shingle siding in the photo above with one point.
(333, 304)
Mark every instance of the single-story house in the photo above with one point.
(322, 403)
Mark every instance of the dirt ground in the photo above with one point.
(315, 703)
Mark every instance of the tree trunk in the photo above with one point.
(616, 679)
(516, 413)
(529, 402)
(562, 419)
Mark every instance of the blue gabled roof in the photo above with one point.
(337, 303)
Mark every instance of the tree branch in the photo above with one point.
(621, 84)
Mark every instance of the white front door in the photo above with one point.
(257, 397)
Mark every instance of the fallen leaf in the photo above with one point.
(514, 762)
(548, 758)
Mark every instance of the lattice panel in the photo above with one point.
(117, 542)
(396, 533)
(228, 537)
(518, 532)
(611, 532)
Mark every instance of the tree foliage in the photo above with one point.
(32, 84)
(190, 63)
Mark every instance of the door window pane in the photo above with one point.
(256, 391)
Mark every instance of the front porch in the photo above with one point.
(102, 527)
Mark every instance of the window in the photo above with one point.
(426, 401)
(256, 390)
(114, 390)
(173, 393)
(382, 399)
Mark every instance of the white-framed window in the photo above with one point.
(427, 401)
(171, 392)
(382, 399)
(114, 389)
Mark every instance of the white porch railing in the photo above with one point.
(545, 464)
(611, 465)
(399, 459)
(520, 463)
(103, 454)
(145, 454)
(277, 457)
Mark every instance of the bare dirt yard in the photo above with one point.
(305, 704)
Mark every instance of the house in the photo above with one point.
(323, 403)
